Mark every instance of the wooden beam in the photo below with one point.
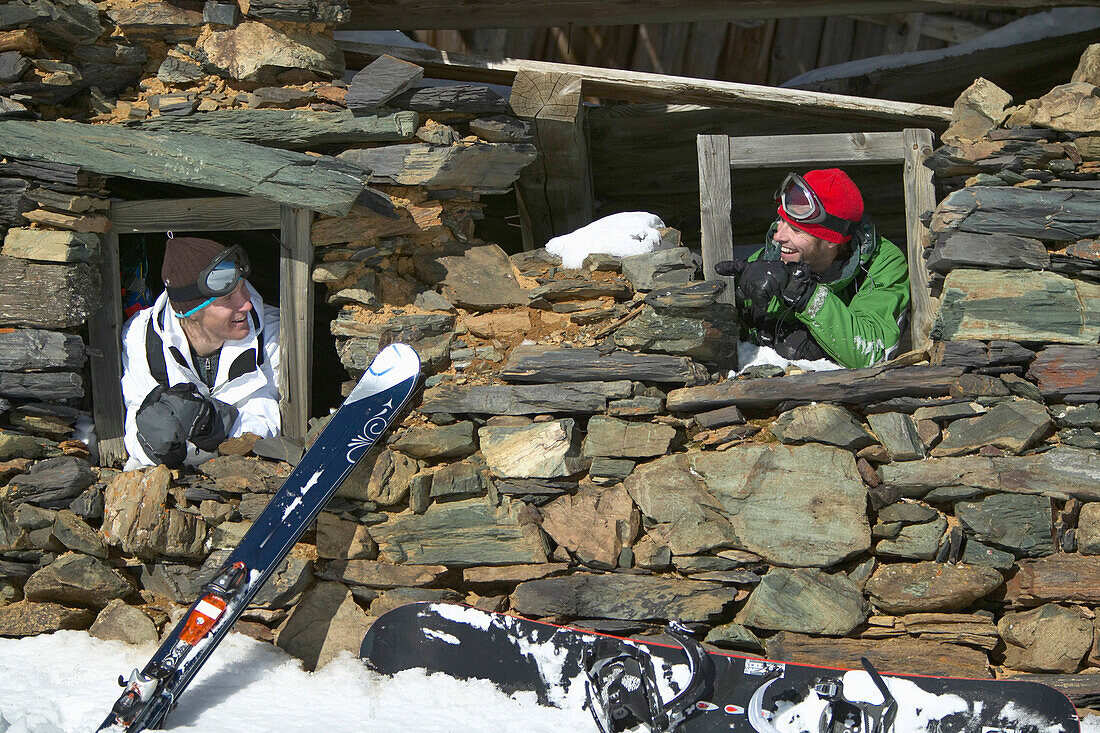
(463, 14)
(224, 213)
(642, 87)
(295, 321)
(854, 148)
(715, 206)
(105, 356)
(920, 196)
(556, 190)
(1023, 59)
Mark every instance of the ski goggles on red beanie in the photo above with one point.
(825, 204)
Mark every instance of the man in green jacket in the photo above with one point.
(825, 285)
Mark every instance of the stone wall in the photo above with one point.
(577, 455)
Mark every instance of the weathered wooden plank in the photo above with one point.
(556, 189)
(1018, 305)
(41, 295)
(289, 128)
(715, 206)
(1026, 65)
(32, 350)
(794, 50)
(295, 321)
(701, 59)
(224, 213)
(920, 199)
(105, 338)
(856, 148)
(639, 86)
(543, 364)
(846, 386)
(319, 183)
(457, 14)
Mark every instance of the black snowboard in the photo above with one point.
(749, 694)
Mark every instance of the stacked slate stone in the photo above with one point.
(578, 455)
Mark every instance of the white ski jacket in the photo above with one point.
(155, 351)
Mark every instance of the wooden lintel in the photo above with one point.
(463, 14)
(223, 213)
(858, 148)
(647, 87)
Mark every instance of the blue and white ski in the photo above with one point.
(367, 413)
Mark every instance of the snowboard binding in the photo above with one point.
(840, 715)
(622, 685)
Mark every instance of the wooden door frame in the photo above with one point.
(719, 155)
(226, 213)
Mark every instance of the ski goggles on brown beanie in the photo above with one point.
(197, 271)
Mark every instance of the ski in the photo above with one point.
(368, 412)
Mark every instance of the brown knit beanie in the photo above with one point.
(184, 259)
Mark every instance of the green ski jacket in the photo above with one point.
(854, 312)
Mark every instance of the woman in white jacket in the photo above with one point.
(202, 364)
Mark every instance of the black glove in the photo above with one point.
(169, 418)
(760, 281)
(730, 268)
(799, 344)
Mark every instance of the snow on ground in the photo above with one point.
(66, 682)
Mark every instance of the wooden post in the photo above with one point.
(295, 320)
(920, 196)
(555, 192)
(105, 355)
(715, 205)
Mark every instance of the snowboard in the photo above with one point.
(369, 410)
(740, 693)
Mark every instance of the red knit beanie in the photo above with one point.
(184, 259)
(840, 197)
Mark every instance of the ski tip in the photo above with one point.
(392, 357)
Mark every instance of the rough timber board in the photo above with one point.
(318, 183)
(638, 86)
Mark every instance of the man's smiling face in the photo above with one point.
(796, 245)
